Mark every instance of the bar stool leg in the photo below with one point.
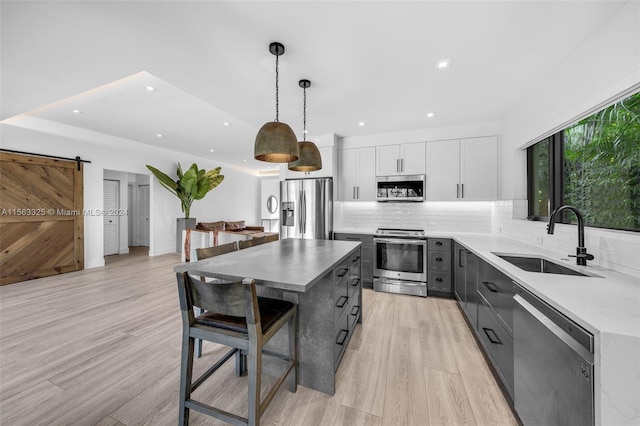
(293, 345)
(255, 374)
(186, 370)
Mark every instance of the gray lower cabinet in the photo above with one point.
(498, 343)
(486, 298)
(439, 278)
(367, 254)
(348, 302)
(465, 273)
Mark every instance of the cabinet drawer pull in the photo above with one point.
(342, 301)
(438, 243)
(356, 309)
(356, 259)
(438, 259)
(355, 282)
(493, 337)
(491, 286)
(343, 272)
(439, 279)
(342, 336)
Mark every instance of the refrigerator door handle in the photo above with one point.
(303, 206)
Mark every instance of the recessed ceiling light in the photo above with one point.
(361, 123)
(159, 135)
(430, 114)
(443, 63)
(77, 111)
(244, 160)
(226, 124)
(305, 131)
(210, 150)
(150, 88)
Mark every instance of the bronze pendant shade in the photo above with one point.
(310, 159)
(275, 141)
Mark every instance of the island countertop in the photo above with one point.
(291, 264)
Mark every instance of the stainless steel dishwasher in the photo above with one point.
(553, 365)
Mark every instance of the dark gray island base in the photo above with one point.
(322, 277)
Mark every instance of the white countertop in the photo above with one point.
(608, 302)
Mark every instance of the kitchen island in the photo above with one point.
(321, 276)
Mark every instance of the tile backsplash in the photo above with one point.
(431, 216)
(617, 250)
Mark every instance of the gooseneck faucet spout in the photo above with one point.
(581, 251)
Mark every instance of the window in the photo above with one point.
(593, 165)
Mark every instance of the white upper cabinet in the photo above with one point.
(356, 174)
(403, 159)
(443, 170)
(465, 169)
(479, 169)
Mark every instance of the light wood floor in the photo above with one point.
(102, 347)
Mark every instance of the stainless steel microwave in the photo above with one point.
(400, 188)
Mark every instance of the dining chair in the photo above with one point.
(255, 241)
(234, 317)
(204, 253)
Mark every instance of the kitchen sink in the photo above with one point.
(534, 263)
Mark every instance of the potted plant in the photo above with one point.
(191, 185)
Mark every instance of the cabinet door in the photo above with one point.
(366, 190)
(479, 169)
(387, 160)
(413, 158)
(347, 174)
(443, 170)
(459, 254)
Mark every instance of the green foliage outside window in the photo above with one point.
(600, 168)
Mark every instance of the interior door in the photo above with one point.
(144, 213)
(42, 218)
(111, 221)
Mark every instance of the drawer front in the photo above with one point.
(354, 310)
(498, 342)
(440, 260)
(341, 304)
(439, 281)
(439, 244)
(342, 270)
(498, 290)
(341, 339)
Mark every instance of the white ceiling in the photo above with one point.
(372, 62)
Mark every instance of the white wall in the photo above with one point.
(236, 198)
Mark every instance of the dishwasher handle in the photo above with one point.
(553, 328)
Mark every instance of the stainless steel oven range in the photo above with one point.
(400, 257)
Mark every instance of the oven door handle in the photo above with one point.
(401, 241)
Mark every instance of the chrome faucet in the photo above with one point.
(581, 251)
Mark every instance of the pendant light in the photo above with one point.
(275, 141)
(310, 159)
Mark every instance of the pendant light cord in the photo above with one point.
(304, 115)
(277, 78)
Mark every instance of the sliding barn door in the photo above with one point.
(41, 217)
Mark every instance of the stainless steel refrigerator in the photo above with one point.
(306, 209)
